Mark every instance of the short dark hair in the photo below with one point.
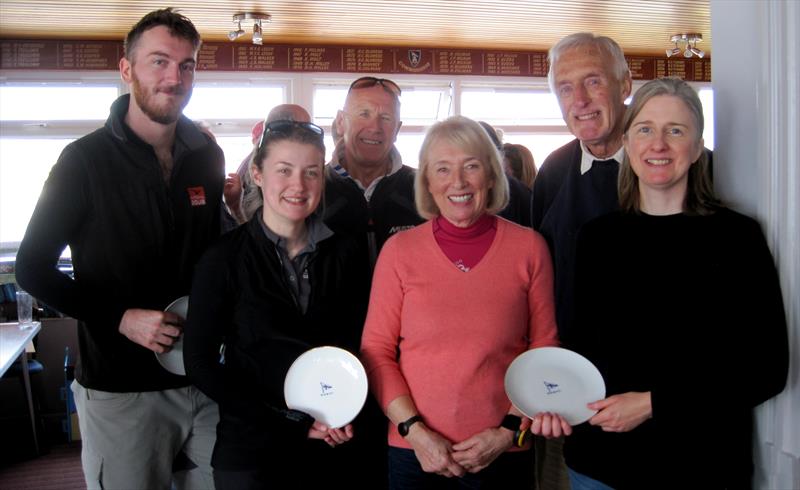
(178, 25)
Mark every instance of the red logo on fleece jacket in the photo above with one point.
(197, 195)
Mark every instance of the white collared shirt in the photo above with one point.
(397, 164)
(587, 158)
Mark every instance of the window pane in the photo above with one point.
(235, 149)
(232, 102)
(53, 103)
(707, 98)
(408, 145)
(328, 101)
(504, 107)
(541, 145)
(24, 166)
(422, 106)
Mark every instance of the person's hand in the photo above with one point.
(155, 330)
(339, 436)
(622, 413)
(550, 425)
(433, 451)
(478, 452)
(333, 437)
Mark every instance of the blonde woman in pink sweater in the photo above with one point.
(453, 302)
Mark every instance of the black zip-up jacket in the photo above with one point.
(134, 241)
(240, 298)
(391, 208)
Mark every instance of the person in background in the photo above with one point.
(137, 202)
(453, 302)
(269, 290)
(519, 163)
(369, 192)
(702, 339)
(518, 209)
(578, 182)
(241, 195)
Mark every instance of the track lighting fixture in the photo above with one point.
(688, 50)
(257, 39)
(257, 18)
(234, 35)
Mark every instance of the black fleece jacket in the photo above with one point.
(240, 298)
(134, 240)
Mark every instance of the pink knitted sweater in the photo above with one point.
(457, 331)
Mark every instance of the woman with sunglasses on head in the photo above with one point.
(269, 290)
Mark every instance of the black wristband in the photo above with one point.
(403, 427)
(511, 422)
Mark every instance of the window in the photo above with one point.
(540, 144)
(526, 115)
(24, 166)
(41, 112)
(231, 108)
(511, 106)
(37, 120)
(707, 98)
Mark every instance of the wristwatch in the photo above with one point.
(404, 426)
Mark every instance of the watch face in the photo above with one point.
(403, 427)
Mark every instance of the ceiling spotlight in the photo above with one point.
(673, 51)
(234, 35)
(257, 18)
(257, 39)
(689, 48)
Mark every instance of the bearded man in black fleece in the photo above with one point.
(137, 201)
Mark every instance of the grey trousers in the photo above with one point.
(147, 440)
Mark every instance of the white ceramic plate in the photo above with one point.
(172, 361)
(552, 379)
(328, 383)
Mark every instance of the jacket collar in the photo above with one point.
(186, 133)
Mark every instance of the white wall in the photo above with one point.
(755, 75)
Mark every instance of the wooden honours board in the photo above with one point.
(229, 56)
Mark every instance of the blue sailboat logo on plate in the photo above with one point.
(551, 388)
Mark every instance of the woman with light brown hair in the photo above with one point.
(678, 304)
(519, 163)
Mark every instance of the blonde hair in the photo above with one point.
(472, 138)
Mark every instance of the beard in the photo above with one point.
(168, 111)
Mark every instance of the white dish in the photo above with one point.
(552, 379)
(328, 383)
(172, 361)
